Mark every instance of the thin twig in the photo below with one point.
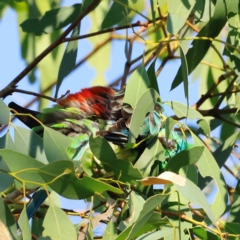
(226, 93)
(39, 95)
(231, 172)
(207, 95)
(137, 24)
(228, 121)
(98, 47)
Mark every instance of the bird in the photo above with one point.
(100, 111)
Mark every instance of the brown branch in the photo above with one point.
(9, 88)
(128, 62)
(207, 95)
(231, 172)
(226, 93)
(220, 100)
(227, 121)
(39, 95)
(137, 24)
(146, 62)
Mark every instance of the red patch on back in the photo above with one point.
(93, 101)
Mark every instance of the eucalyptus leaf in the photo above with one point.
(52, 20)
(5, 113)
(57, 224)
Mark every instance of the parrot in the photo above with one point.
(99, 111)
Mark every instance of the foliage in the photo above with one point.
(197, 199)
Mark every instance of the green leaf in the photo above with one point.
(178, 14)
(145, 104)
(5, 113)
(123, 170)
(153, 11)
(55, 145)
(24, 167)
(235, 207)
(184, 158)
(152, 224)
(204, 127)
(169, 126)
(52, 20)
(154, 151)
(190, 172)
(136, 202)
(61, 177)
(203, 233)
(145, 214)
(200, 47)
(152, 77)
(203, 10)
(176, 208)
(69, 59)
(24, 225)
(87, 162)
(110, 232)
(6, 180)
(57, 224)
(7, 219)
(184, 68)
(159, 234)
(232, 228)
(115, 14)
(207, 166)
(223, 152)
(7, 142)
(29, 143)
(138, 83)
(190, 191)
(182, 111)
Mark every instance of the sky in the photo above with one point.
(11, 64)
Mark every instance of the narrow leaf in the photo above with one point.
(29, 143)
(178, 14)
(57, 224)
(115, 14)
(110, 232)
(5, 113)
(200, 47)
(209, 168)
(52, 20)
(184, 68)
(203, 233)
(55, 145)
(152, 77)
(8, 220)
(146, 213)
(69, 59)
(138, 83)
(24, 225)
(145, 105)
